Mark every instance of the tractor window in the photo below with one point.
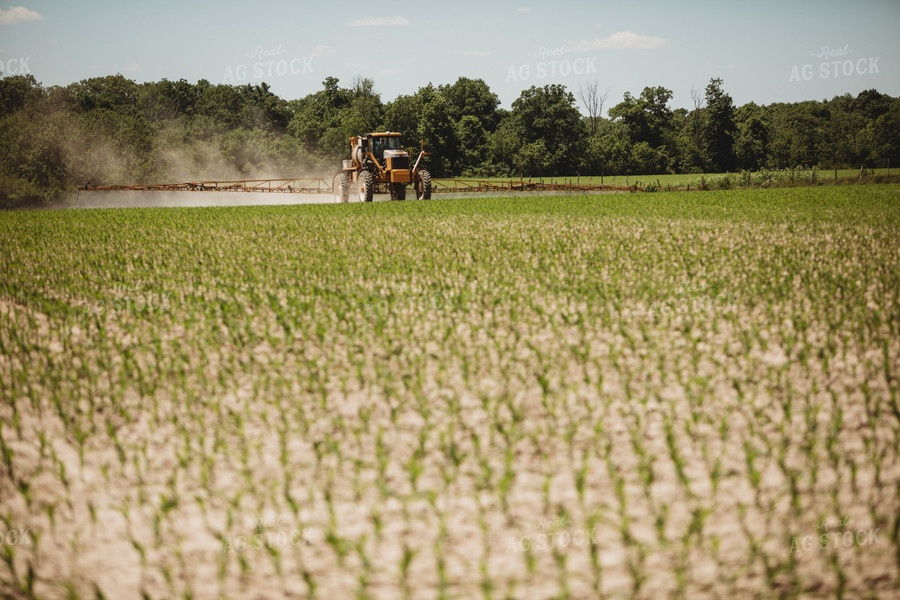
(380, 144)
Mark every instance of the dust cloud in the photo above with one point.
(99, 199)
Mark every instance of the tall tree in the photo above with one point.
(646, 118)
(887, 137)
(438, 131)
(472, 97)
(720, 127)
(319, 121)
(694, 158)
(17, 91)
(472, 139)
(551, 130)
(403, 115)
(593, 101)
(751, 147)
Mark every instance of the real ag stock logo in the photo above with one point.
(552, 65)
(843, 536)
(268, 63)
(130, 299)
(835, 63)
(267, 533)
(553, 534)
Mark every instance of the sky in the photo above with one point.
(765, 51)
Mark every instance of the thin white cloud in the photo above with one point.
(476, 53)
(524, 9)
(618, 40)
(17, 14)
(379, 21)
(321, 50)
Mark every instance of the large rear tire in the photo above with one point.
(423, 185)
(366, 185)
(398, 191)
(341, 188)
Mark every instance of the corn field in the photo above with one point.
(685, 395)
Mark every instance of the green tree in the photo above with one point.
(608, 150)
(403, 115)
(318, 123)
(649, 124)
(472, 139)
(438, 131)
(694, 158)
(795, 136)
(887, 137)
(502, 147)
(647, 160)
(18, 91)
(871, 104)
(262, 109)
(752, 146)
(364, 113)
(472, 97)
(647, 118)
(720, 127)
(552, 133)
(113, 92)
(168, 100)
(222, 103)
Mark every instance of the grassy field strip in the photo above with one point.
(736, 180)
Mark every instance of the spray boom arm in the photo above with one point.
(421, 154)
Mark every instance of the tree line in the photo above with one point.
(112, 130)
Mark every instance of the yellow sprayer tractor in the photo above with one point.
(379, 165)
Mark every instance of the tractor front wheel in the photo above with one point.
(341, 187)
(366, 185)
(423, 185)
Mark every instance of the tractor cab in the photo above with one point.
(382, 142)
